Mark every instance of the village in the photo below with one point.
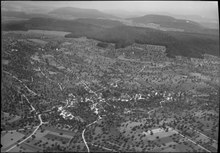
(69, 94)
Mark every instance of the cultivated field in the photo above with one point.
(10, 138)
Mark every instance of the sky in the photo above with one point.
(201, 8)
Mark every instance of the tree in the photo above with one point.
(33, 136)
(103, 45)
(78, 147)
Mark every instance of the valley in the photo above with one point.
(74, 74)
(83, 80)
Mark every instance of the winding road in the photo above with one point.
(33, 109)
(41, 122)
(83, 133)
(31, 91)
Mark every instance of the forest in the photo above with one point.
(110, 31)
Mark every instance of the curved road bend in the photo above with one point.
(83, 137)
(41, 122)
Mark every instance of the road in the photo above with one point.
(59, 84)
(194, 143)
(31, 91)
(150, 112)
(113, 144)
(41, 122)
(19, 129)
(33, 109)
(104, 148)
(190, 140)
(90, 90)
(83, 137)
(204, 135)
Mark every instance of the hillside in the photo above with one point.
(60, 13)
(17, 14)
(80, 13)
(169, 22)
(49, 24)
(21, 14)
(177, 43)
(100, 22)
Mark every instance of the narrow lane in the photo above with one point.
(59, 84)
(33, 109)
(194, 143)
(204, 135)
(31, 91)
(104, 148)
(83, 133)
(41, 122)
(19, 129)
(190, 140)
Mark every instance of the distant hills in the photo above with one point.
(60, 13)
(17, 14)
(194, 41)
(23, 15)
(169, 22)
(160, 22)
(24, 10)
(100, 22)
(80, 13)
(80, 25)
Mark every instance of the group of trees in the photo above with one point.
(102, 44)
(177, 43)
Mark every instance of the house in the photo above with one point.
(125, 97)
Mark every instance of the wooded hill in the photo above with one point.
(177, 43)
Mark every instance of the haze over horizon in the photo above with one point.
(204, 9)
(110, 76)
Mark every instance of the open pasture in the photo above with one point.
(56, 137)
(56, 130)
(30, 148)
(10, 138)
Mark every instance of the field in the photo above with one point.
(144, 141)
(5, 117)
(10, 138)
(43, 138)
